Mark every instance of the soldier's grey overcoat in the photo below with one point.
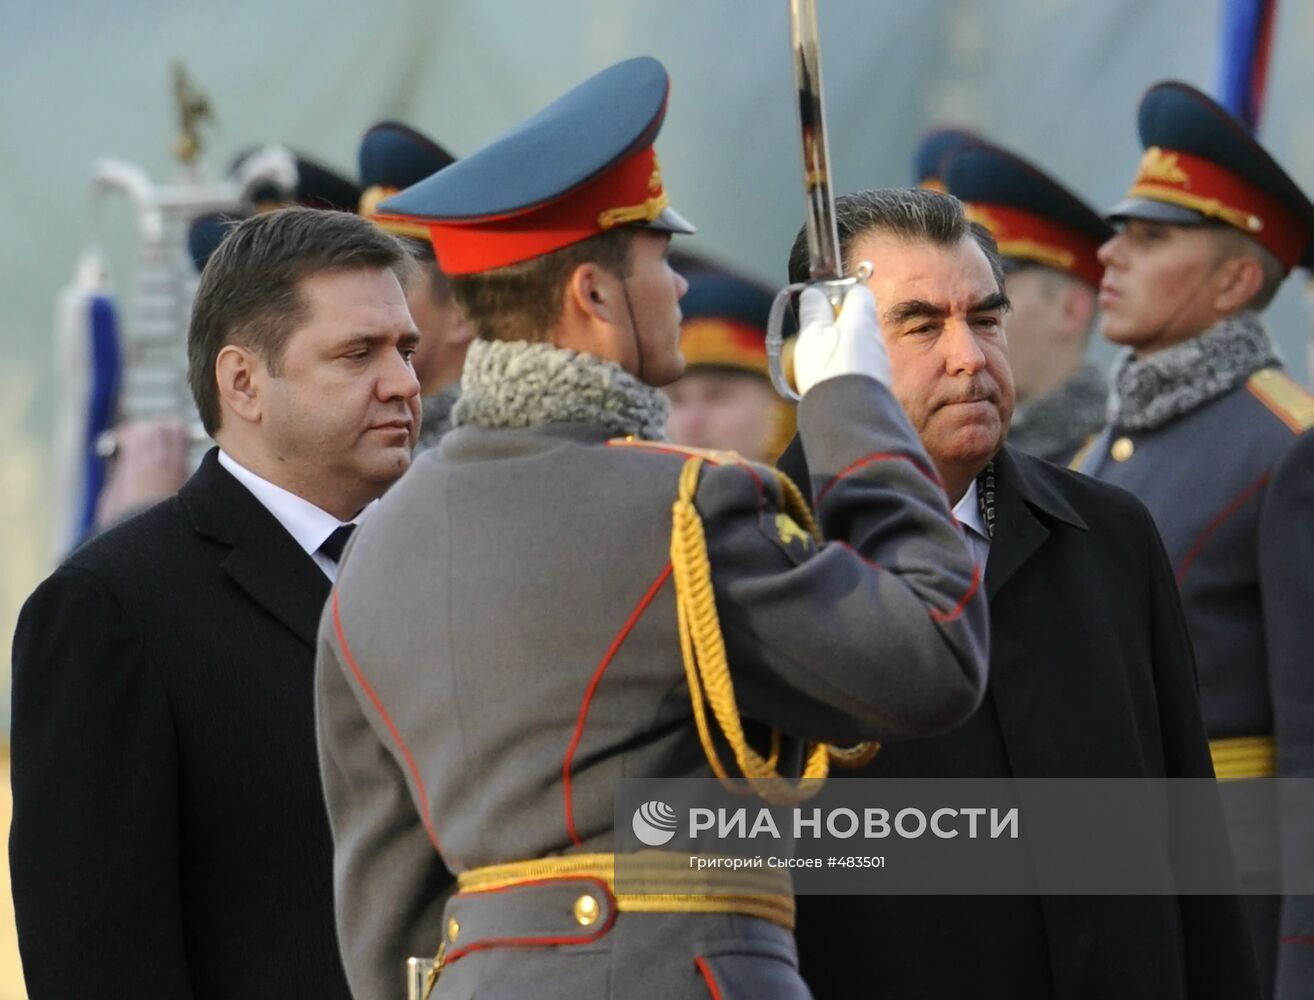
(501, 650)
(1231, 487)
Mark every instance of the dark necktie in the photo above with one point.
(336, 542)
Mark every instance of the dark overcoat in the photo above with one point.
(169, 837)
(1091, 676)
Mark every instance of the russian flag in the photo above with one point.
(1244, 45)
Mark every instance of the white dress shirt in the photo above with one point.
(306, 523)
(967, 511)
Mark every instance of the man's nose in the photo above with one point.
(1109, 251)
(962, 352)
(681, 284)
(398, 379)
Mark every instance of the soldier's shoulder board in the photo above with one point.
(713, 455)
(1284, 397)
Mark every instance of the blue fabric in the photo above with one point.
(986, 173)
(395, 155)
(726, 296)
(102, 398)
(617, 112)
(1242, 55)
(934, 149)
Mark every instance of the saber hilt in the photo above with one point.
(835, 290)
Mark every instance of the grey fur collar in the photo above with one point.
(436, 411)
(519, 384)
(1149, 392)
(1055, 426)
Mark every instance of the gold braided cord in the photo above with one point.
(644, 211)
(860, 754)
(707, 669)
(1239, 757)
(1042, 253)
(1245, 221)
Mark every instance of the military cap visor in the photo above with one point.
(581, 166)
(1202, 162)
(1032, 217)
(1157, 211)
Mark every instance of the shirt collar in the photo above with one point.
(307, 524)
(967, 512)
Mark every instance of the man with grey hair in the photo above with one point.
(1077, 688)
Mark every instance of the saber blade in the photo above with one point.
(823, 238)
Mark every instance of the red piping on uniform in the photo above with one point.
(667, 450)
(392, 728)
(936, 614)
(947, 616)
(880, 456)
(1194, 553)
(845, 545)
(677, 450)
(710, 979)
(757, 480)
(1297, 939)
(607, 657)
(543, 941)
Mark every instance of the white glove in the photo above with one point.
(830, 346)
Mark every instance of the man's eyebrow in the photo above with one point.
(408, 339)
(908, 309)
(991, 303)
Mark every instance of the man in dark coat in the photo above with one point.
(169, 837)
(1091, 670)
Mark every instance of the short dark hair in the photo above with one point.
(915, 215)
(427, 273)
(250, 290)
(523, 301)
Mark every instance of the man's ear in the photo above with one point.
(1239, 280)
(1078, 310)
(596, 293)
(236, 370)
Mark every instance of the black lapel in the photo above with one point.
(793, 463)
(1019, 494)
(265, 561)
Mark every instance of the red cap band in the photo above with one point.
(631, 191)
(1203, 186)
(724, 342)
(1026, 236)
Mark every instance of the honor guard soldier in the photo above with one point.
(1214, 437)
(725, 398)
(1049, 240)
(521, 626)
(394, 156)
